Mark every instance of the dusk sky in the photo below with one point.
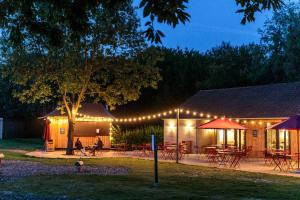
(211, 23)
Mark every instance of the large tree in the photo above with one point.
(29, 15)
(104, 63)
(280, 35)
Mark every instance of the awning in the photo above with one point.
(222, 123)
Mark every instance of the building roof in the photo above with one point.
(265, 101)
(91, 109)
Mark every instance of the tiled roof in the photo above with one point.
(264, 101)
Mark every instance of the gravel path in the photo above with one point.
(15, 169)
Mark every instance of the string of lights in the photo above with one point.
(161, 115)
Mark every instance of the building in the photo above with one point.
(255, 107)
(94, 120)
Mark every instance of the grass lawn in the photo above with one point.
(177, 181)
(21, 144)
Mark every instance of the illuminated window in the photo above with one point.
(230, 137)
(220, 137)
(278, 139)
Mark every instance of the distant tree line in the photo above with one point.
(275, 59)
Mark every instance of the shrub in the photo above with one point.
(136, 136)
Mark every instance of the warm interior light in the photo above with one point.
(172, 126)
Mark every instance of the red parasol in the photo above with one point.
(222, 123)
(47, 135)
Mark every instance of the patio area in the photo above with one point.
(257, 165)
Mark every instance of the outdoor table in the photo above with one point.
(145, 150)
(170, 152)
(282, 161)
(224, 156)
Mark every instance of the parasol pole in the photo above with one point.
(177, 136)
(298, 146)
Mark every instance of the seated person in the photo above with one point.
(98, 146)
(79, 146)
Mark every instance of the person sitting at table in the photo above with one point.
(80, 147)
(98, 146)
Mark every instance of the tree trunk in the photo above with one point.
(71, 129)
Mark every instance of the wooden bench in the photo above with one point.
(1, 157)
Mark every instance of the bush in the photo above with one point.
(136, 136)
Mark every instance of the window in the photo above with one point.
(230, 137)
(278, 139)
(220, 137)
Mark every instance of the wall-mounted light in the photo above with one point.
(172, 127)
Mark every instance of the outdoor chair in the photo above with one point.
(235, 160)
(268, 158)
(247, 151)
(212, 156)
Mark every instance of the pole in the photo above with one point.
(177, 136)
(298, 146)
(154, 148)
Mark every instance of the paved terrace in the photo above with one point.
(248, 165)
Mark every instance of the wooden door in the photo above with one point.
(62, 135)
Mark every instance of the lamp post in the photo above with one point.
(177, 136)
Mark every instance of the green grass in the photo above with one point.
(21, 144)
(177, 181)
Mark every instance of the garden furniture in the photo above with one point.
(224, 157)
(236, 158)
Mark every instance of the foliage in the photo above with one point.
(280, 36)
(250, 7)
(104, 63)
(50, 18)
(136, 136)
(185, 72)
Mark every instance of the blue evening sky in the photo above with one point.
(212, 21)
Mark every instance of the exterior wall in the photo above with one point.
(255, 136)
(187, 131)
(59, 135)
(294, 144)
